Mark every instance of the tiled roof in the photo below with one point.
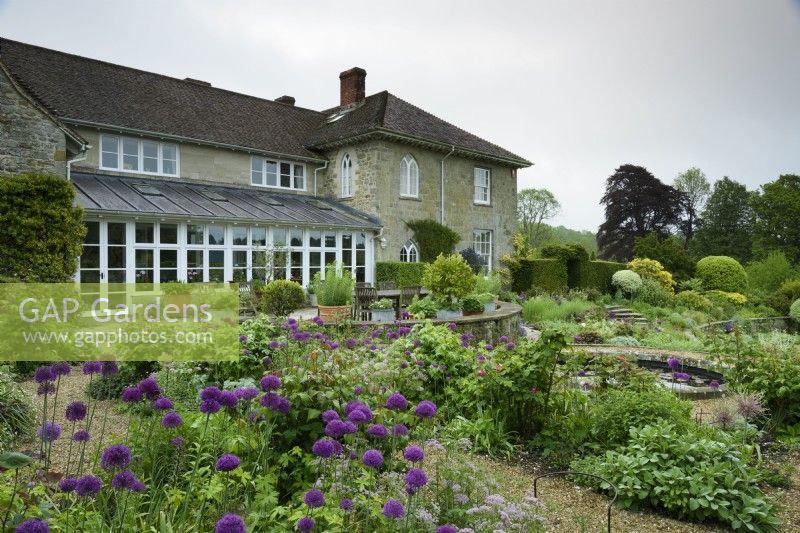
(81, 90)
(160, 197)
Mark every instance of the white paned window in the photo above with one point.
(138, 155)
(279, 174)
(482, 185)
(347, 176)
(408, 253)
(482, 244)
(409, 177)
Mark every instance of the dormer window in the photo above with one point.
(140, 156)
(279, 174)
(409, 177)
(347, 176)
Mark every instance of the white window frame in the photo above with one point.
(347, 176)
(409, 249)
(409, 177)
(483, 186)
(294, 175)
(140, 154)
(482, 246)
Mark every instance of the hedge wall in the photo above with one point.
(546, 274)
(598, 275)
(404, 274)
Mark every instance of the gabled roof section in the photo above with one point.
(105, 194)
(81, 90)
(385, 113)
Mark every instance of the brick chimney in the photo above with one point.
(285, 99)
(352, 86)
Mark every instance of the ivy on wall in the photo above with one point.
(432, 238)
(43, 231)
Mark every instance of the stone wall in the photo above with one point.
(376, 190)
(29, 140)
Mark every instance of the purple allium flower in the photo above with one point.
(150, 389)
(138, 486)
(109, 368)
(378, 430)
(306, 524)
(61, 368)
(425, 409)
(46, 388)
(394, 509)
(489, 347)
(749, 406)
(404, 365)
(414, 454)
(346, 504)
(372, 459)
(124, 480)
(228, 399)
(270, 382)
(116, 456)
(314, 498)
(44, 374)
(33, 525)
(92, 367)
(210, 393)
(358, 391)
(714, 385)
(351, 343)
(228, 462)
(162, 404)
(452, 326)
(49, 431)
(447, 528)
(230, 523)
(209, 407)
(729, 326)
(88, 486)
(268, 360)
(81, 436)
(510, 346)
(242, 338)
(172, 420)
(586, 386)
(178, 441)
(681, 376)
(581, 373)
(357, 416)
(416, 478)
(329, 415)
(335, 428)
(246, 393)
(75, 411)
(67, 484)
(276, 403)
(324, 448)
(502, 339)
(131, 395)
(400, 430)
(673, 362)
(397, 401)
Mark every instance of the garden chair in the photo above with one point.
(364, 298)
(407, 296)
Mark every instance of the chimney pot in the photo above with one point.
(352, 86)
(285, 99)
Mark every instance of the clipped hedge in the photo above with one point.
(722, 273)
(598, 275)
(547, 274)
(433, 238)
(403, 274)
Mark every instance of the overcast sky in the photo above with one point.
(577, 87)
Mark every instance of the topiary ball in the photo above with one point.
(794, 311)
(722, 273)
(627, 281)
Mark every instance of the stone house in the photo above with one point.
(180, 180)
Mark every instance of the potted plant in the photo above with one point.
(422, 308)
(382, 310)
(471, 306)
(488, 301)
(448, 310)
(334, 293)
(312, 294)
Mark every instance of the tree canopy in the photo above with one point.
(727, 223)
(696, 189)
(777, 223)
(534, 206)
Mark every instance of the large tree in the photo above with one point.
(727, 223)
(534, 206)
(696, 188)
(637, 204)
(777, 211)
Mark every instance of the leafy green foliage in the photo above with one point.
(728, 223)
(423, 307)
(627, 281)
(471, 305)
(777, 211)
(280, 297)
(488, 283)
(693, 300)
(542, 309)
(670, 252)
(653, 293)
(433, 238)
(722, 273)
(599, 273)
(787, 293)
(449, 277)
(767, 275)
(794, 311)
(689, 474)
(549, 275)
(43, 231)
(775, 374)
(696, 189)
(336, 288)
(16, 412)
(403, 274)
(534, 206)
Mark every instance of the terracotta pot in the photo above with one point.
(334, 313)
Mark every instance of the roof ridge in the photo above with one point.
(148, 72)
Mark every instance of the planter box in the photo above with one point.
(446, 314)
(334, 313)
(489, 307)
(382, 315)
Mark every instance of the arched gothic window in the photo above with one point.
(409, 253)
(347, 176)
(409, 177)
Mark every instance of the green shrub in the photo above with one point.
(670, 252)
(471, 305)
(449, 277)
(627, 281)
(403, 274)
(689, 474)
(543, 309)
(423, 307)
(16, 412)
(599, 274)
(692, 300)
(767, 275)
(653, 293)
(782, 299)
(433, 238)
(549, 275)
(652, 269)
(574, 257)
(794, 311)
(43, 231)
(619, 410)
(773, 372)
(723, 298)
(281, 297)
(723, 273)
(488, 283)
(336, 288)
